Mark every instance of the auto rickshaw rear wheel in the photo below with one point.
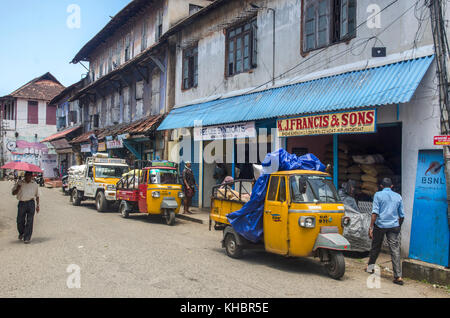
(336, 265)
(232, 247)
(123, 210)
(169, 215)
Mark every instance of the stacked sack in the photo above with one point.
(373, 171)
(344, 160)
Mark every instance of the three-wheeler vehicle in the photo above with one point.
(152, 187)
(303, 216)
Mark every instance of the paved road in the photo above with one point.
(142, 257)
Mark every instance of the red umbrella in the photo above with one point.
(22, 166)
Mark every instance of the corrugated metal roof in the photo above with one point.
(389, 84)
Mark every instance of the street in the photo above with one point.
(143, 257)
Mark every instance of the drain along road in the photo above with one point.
(142, 257)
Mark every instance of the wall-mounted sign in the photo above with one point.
(442, 140)
(363, 121)
(102, 146)
(230, 131)
(114, 144)
(86, 148)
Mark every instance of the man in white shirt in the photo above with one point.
(26, 192)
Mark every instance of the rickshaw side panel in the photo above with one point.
(127, 195)
(221, 207)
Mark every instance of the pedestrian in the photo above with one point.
(94, 142)
(26, 192)
(189, 187)
(387, 219)
(220, 172)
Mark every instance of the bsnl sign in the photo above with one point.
(335, 123)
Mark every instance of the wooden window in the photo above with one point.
(159, 25)
(33, 112)
(326, 22)
(50, 117)
(127, 47)
(73, 116)
(241, 48)
(190, 67)
(144, 36)
(95, 121)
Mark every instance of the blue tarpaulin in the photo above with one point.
(248, 221)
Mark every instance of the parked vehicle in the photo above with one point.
(96, 180)
(39, 179)
(65, 184)
(303, 216)
(153, 188)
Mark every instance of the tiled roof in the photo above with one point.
(60, 134)
(143, 126)
(44, 87)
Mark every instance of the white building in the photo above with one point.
(27, 118)
(323, 61)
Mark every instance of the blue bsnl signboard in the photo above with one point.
(430, 230)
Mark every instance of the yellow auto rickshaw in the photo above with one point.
(303, 216)
(152, 188)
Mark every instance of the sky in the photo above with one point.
(40, 36)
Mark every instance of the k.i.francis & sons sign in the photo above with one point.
(363, 121)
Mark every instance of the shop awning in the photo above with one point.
(61, 134)
(388, 84)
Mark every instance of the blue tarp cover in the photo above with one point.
(248, 221)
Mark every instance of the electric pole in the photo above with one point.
(442, 54)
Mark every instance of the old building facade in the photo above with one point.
(278, 64)
(27, 119)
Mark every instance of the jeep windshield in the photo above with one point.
(312, 188)
(106, 172)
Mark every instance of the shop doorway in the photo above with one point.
(364, 158)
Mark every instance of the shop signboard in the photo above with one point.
(86, 148)
(229, 131)
(442, 140)
(361, 121)
(101, 146)
(114, 144)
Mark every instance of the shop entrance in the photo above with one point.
(364, 158)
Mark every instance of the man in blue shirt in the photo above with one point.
(387, 218)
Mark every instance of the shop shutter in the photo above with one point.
(33, 112)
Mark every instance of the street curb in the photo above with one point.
(431, 273)
(189, 218)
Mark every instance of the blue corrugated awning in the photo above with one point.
(388, 84)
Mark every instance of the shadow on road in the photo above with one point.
(36, 240)
(296, 265)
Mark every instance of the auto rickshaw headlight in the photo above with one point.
(307, 221)
(156, 194)
(180, 194)
(345, 221)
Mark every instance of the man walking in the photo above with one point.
(26, 192)
(189, 187)
(387, 218)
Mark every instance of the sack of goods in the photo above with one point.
(355, 169)
(368, 159)
(369, 178)
(369, 188)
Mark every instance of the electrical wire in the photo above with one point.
(213, 107)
